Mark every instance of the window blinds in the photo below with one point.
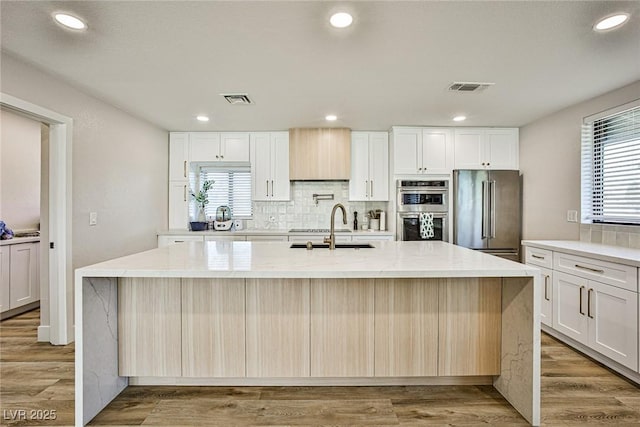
(611, 168)
(232, 187)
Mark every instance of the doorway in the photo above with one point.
(58, 223)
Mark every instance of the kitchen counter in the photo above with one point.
(257, 232)
(18, 240)
(575, 247)
(307, 318)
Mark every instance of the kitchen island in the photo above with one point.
(262, 313)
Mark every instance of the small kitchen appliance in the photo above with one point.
(223, 220)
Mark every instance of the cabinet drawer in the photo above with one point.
(539, 257)
(622, 276)
(170, 240)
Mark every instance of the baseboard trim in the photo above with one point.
(44, 333)
(19, 310)
(307, 381)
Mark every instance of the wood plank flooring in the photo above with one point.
(575, 391)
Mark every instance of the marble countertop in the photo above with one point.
(18, 240)
(263, 232)
(605, 252)
(278, 260)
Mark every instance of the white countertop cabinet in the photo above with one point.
(270, 166)
(178, 180)
(19, 271)
(486, 148)
(595, 299)
(369, 166)
(5, 259)
(422, 150)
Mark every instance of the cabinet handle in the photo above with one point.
(589, 303)
(184, 168)
(271, 188)
(595, 270)
(488, 164)
(267, 188)
(546, 287)
(366, 188)
(217, 156)
(581, 311)
(184, 193)
(222, 157)
(482, 163)
(419, 169)
(371, 188)
(537, 256)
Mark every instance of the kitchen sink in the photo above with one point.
(338, 246)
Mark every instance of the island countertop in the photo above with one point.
(233, 259)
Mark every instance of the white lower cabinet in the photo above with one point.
(5, 259)
(19, 271)
(171, 240)
(569, 315)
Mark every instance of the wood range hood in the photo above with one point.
(319, 154)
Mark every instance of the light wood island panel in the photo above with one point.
(406, 327)
(213, 328)
(342, 327)
(470, 326)
(149, 327)
(278, 328)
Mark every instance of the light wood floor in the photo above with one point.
(575, 391)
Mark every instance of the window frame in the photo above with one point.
(195, 179)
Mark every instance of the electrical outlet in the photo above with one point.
(93, 218)
(237, 224)
(572, 216)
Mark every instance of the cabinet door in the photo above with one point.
(546, 297)
(205, 147)
(213, 328)
(277, 328)
(379, 166)
(261, 165)
(5, 259)
(613, 323)
(342, 327)
(359, 181)
(405, 151)
(178, 205)
(406, 327)
(502, 148)
(178, 156)
(570, 306)
(280, 184)
(469, 149)
(23, 274)
(437, 151)
(234, 146)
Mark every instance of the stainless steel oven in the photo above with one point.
(422, 196)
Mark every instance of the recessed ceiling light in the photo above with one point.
(611, 22)
(459, 118)
(202, 118)
(341, 19)
(331, 117)
(70, 21)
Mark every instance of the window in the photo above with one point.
(232, 187)
(611, 166)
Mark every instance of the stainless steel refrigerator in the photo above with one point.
(487, 212)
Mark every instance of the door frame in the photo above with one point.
(60, 225)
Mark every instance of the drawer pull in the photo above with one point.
(589, 303)
(546, 287)
(537, 256)
(580, 309)
(595, 270)
(184, 168)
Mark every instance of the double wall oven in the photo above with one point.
(422, 196)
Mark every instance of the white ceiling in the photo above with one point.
(167, 61)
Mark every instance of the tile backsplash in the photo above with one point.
(302, 212)
(626, 236)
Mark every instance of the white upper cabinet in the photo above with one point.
(422, 151)
(369, 166)
(219, 147)
(486, 148)
(270, 165)
(178, 156)
(178, 205)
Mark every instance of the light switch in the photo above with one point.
(572, 216)
(93, 218)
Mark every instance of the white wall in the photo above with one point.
(119, 166)
(550, 165)
(19, 171)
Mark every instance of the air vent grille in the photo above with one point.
(237, 98)
(469, 86)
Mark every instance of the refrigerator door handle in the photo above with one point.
(492, 198)
(485, 201)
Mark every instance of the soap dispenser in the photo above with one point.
(355, 221)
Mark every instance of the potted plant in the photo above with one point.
(201, 198)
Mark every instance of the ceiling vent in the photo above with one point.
(469, 86)
(237, 98)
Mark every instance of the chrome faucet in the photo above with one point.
(331, 240)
